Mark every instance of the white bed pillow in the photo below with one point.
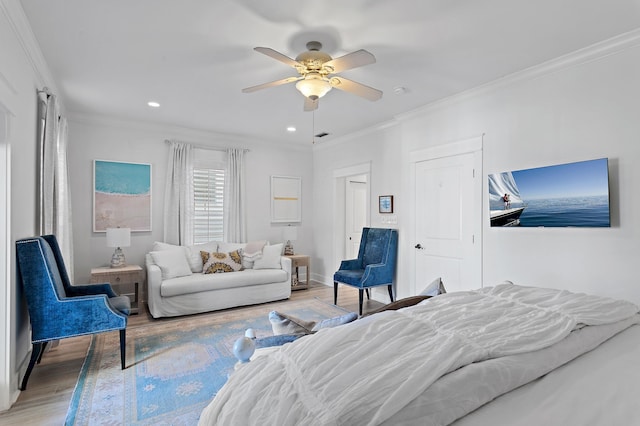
(172, 263)
(270, 258)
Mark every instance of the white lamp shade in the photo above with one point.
(290, 233)
(118, 237)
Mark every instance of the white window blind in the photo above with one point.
(208, 194)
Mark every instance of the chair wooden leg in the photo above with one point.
(368, 295)
(42, 351)
(360, 299)
(335, 293)
(36, 355)
(123, 346)
(390, 287)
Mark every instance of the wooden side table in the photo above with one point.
(121, 279)
(298, 260)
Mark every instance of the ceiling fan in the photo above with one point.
(317, 70)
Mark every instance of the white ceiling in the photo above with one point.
(195, 56)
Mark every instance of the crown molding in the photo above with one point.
(14, 13)
(597, 51)
(202, 137)
(355, 135)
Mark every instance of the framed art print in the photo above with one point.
(286, 194)
(121, 196)
(385, 204)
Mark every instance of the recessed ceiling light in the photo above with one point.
(291, 129)
(153, 104)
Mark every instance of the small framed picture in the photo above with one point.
(385, 204)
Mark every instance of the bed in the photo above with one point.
(500, 355)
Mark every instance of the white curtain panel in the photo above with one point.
(54, 207)
(235, 228)
(178, 195)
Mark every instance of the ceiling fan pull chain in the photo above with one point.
(313, 127)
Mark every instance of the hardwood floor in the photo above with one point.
(46, 400)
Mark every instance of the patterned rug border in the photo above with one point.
(86, 383)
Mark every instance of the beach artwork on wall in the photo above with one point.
(121, 196)
(565, 195)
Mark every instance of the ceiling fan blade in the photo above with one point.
(310, 104)
(359, 89)
(271, 84)
(351, 60)
(278, 56)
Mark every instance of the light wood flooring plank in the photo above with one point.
(48, 394)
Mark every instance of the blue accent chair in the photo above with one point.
(58, 309)
(375, 265)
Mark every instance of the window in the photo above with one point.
(208, 204)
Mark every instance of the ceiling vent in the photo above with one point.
(322, 135)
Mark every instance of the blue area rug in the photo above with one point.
(174, 367)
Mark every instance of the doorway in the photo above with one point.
(447, 216)
(356, 213)
(352, 210)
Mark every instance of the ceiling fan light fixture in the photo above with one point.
(313, 86)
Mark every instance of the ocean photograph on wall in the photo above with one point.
(565, 195)
(121, 196)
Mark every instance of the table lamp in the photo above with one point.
(290, 233)
(118, 237)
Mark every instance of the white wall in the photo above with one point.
(92, 138)
(22, 72)
(381, 149)
(574, 109)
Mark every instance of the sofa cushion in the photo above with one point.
(172, 263)
(270, 258)
(200, 282)
(216, 262)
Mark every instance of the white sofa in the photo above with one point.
(178, 286)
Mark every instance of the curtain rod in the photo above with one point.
(168, 141)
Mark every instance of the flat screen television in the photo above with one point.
(564, 195)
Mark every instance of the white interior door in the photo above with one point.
(356, 202)
(447, 217)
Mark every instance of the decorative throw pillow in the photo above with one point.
(193, 254)
(435, 288)
(172, 263)
(336, 321)
(216, 262)
(251, 252)
(287, 324)
(254, 247)
(270, 258)
(399, 304)
(283, 324)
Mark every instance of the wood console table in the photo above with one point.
(121, 279)
(298, 260)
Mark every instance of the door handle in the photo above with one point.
(419, 247)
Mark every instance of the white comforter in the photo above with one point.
(369, 370)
